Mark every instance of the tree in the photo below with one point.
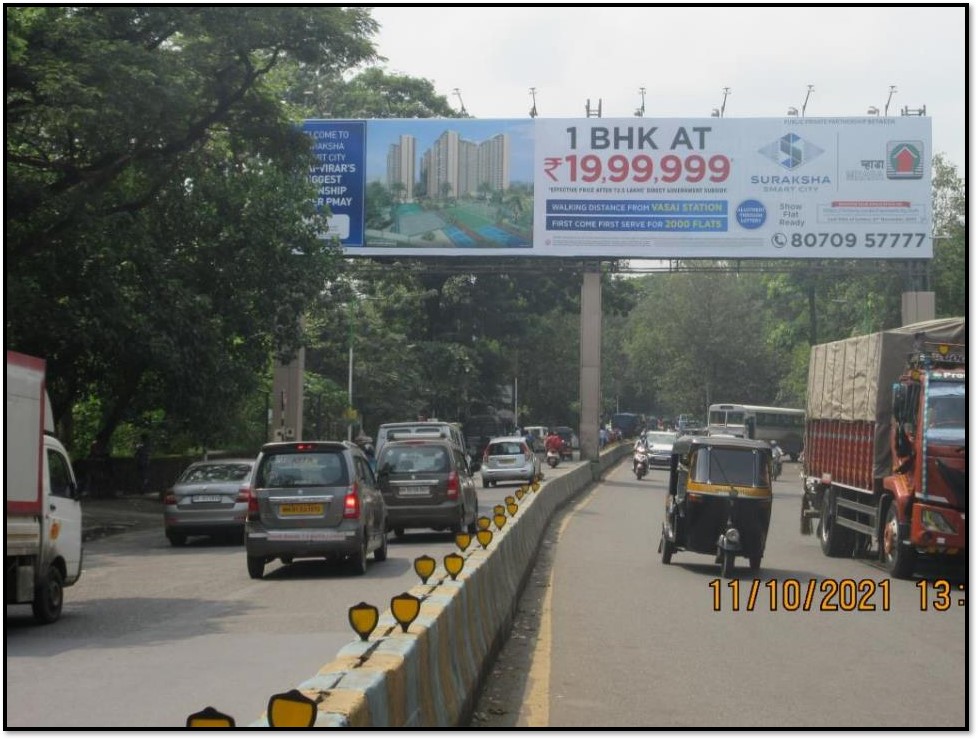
(950, 263)
(372, 93)
(160, 239)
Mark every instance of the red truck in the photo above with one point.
(885, 457)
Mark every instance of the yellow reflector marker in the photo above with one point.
(424, 566)
(485, 537)
(520, 493)
(291, 709)
(522, 490)
(498, 509)
(510, 500)
(453, 564)
(535, 486)
(210, 717)
(405, 609)
(484, 522)
(943, 348)
(512, 509)
(363, 618)
(463, 540)
(500, 520)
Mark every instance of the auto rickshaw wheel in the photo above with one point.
(727, 565)
(667, 549)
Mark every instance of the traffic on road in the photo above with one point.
(800, 642)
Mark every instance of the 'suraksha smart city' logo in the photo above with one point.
(904, 160)
(791, 151)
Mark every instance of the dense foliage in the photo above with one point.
(161, 252)
(160, 243)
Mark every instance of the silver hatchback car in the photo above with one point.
(207, 500)
(314, 500)
(509, 459)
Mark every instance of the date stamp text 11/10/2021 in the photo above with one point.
(828, 595)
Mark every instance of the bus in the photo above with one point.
(785, 426)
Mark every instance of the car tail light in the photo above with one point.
(246, 494)
(351, 503)
(453, 488)
(169, 498)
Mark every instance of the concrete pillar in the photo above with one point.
(287, 400)
(917, 306)
(590, 363)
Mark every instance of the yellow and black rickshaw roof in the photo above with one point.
(684, 444)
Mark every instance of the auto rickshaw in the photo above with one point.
(719, 500)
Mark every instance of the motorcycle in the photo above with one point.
(553, 457)
(640, 461)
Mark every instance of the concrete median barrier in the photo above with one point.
(429, 676)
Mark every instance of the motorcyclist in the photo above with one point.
(553, 442)
(776, 455)
(641, 445)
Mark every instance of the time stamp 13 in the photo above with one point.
(828, 595)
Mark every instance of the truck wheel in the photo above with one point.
(805, 525)
(49, 597)
(836, 541)
(899, 559)
(256, 567)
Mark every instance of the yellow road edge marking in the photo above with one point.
(536, 697)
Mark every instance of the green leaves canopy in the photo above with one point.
(159, 231)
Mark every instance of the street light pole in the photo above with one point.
(349, 381)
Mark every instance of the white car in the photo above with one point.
(660, 447)
(509, 459)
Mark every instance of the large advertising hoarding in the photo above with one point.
(641, 188)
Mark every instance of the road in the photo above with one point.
(608, 636)
(151, 633)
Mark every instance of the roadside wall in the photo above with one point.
(429, 676)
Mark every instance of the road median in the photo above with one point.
(429, 675)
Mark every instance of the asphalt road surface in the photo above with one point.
(608, 636)
(152, 633)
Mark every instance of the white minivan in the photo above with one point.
(447, 429)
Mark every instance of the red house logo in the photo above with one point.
(904, 160)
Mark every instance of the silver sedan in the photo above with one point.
(207, 500)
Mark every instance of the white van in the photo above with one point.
(448, 429)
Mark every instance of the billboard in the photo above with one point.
(641, 188)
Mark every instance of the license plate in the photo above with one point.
(300, 509)
(413, 490)
(506, 460)
(209, 498)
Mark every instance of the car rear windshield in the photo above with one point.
(216, 471)
(296, 469)
(506, 448)
(414, 459)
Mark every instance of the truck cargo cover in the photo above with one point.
(850, 380)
